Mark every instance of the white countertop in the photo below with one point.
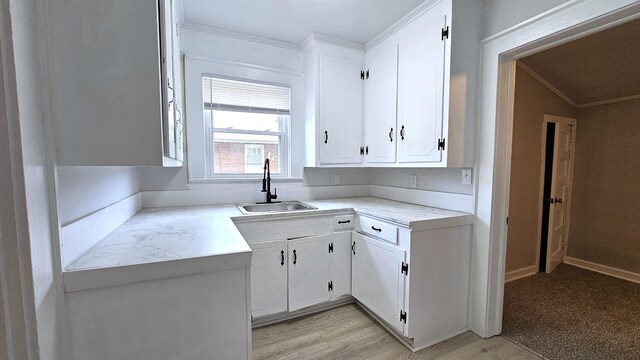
(178, 236)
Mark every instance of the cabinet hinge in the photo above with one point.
(361, 150)
(331, 247)
(330, 286)
(403, 316)
(445, 33)
(441, 144)
(362, 75)
(405, 268)
(367, 73)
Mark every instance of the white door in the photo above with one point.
(377, 280)
(381, 85)
(420, 94)
(558, 227)
(309, 271)
(341, 264)
(269, 278)
(340, 112)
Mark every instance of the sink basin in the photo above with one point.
(285, 206)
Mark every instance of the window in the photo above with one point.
(246, 123)
(237, 115)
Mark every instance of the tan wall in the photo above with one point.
(605, 208)
(532, 102)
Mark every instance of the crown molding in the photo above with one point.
(395, 27)
(196, 27)
(546, 84)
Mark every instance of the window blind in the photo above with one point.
(234, 95)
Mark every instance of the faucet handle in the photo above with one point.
(275, 193)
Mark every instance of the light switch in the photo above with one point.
(413, 181)
(466, 176)
(337, 179)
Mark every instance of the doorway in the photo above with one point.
(558, 141)
(595, 314)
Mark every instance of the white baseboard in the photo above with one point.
(603, 269)
(81, 235)
(442, 200)
(520, 273)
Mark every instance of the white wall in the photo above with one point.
(442, 180)
(500, 15)
(83, 190)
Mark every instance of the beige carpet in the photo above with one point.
(574, 314)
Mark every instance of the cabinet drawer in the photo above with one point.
(377, 228)
(343, 222)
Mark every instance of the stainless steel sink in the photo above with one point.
(285, 206)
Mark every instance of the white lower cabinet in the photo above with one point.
(309, 271)
(378, 280)
(299, 262)
(269, 277)
(341, 265)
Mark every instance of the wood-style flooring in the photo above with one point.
(348, 332)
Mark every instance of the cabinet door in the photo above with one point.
(381, 86)
(378, 282)
(340, 111)
(420, 94)
(169, 139)
(269, 278)
(341, 264)
(309, 271)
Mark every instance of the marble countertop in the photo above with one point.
(157, 236)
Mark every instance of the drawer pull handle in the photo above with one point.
(295, 257)
(344, 221)
(353, 247)
(376, 229)
(282, 257)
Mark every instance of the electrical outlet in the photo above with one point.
(466, 176)
(337, 179)
(413, 181)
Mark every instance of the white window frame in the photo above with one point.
(248, 147)
(199, 134)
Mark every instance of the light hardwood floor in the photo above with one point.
(348, 332)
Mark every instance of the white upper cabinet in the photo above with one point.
(420, 85)
(433, 117)
(380, 130)
(333, 104)
(110, 66)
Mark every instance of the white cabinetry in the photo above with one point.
(298, 262)
(436, 67)
(380, 130)
(309, 271)
(110, 64)
(378, 282)
(269, 277)
(333, 104)
(419, 286)
(420, 85)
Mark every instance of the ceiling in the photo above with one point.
(600, 67)
(293, 20)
